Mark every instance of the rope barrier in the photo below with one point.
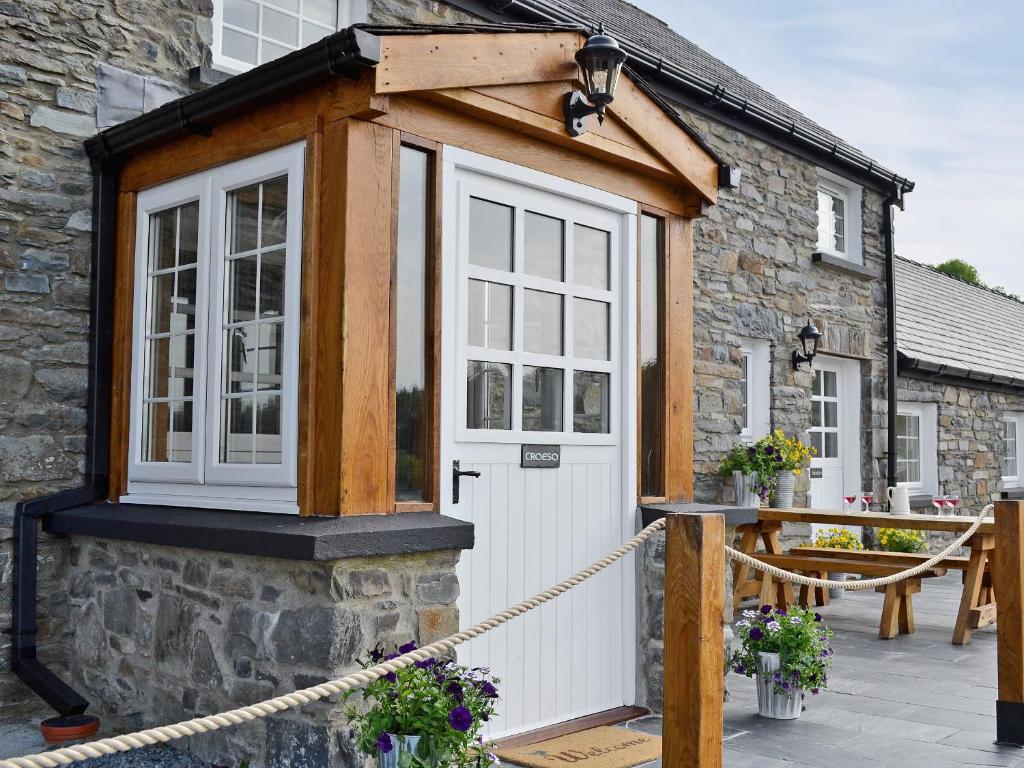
(780, 574)
(166, 733)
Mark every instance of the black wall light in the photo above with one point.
(809, 337)
(600, 61)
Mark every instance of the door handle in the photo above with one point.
(456, 474)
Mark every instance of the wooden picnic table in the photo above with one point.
(977, 602)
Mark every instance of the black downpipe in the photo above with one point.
(890, 324)
(28, 514)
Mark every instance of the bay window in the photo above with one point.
(215, 354)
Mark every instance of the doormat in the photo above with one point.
(603, 747)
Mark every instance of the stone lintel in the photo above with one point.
(268, 535)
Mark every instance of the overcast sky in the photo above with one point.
(932, 90)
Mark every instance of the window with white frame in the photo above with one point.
(1012, 431)
(215, 353)
(755, 389)
(839, 221)
(916, 447)
(251, 32)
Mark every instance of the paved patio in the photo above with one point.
(916, 701)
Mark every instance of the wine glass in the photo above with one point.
(953, 501)
(850, 499)
(868, 498)
(939, 502)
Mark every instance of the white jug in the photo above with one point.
(899, 500)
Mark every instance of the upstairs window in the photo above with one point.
(215, 354)
(1010, 453)
(839, 220)
(252, 32)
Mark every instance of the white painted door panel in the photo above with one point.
(535, 527)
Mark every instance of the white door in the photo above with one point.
(835, 432)
(536, 337)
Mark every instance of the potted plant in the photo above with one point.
(427, 715)
(900, 540)
(744, 463)
(788, 651)
(837, 538)
(789, 457)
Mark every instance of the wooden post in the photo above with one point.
(694, 652)
(1008, 573)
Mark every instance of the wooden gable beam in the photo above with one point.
(649, 121)
(435, 62)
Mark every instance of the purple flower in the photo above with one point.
(766, 609)
(391, 677)
(785, 686)
(407, 648)
(769, 450)
(756, 633)
(487, 689)
(751, 451)
(817, 617)
(455, 690)
(815, 691)
(384, 742)
(460, 719)
(426, 663)
(376, 655)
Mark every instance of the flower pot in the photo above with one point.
(399, 744)
(785, 485)
(834, 592)
(746, 493)
(777, 706)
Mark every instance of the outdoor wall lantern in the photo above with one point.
(600, 61)
(809, 337)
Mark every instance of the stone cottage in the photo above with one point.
(156, 602)
(961, 389)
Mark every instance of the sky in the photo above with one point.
(932, 90)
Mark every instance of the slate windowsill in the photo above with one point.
(842, 265)
(1011, 494)
(289, 537)
(733, 515)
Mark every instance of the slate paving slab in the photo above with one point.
(916, 701)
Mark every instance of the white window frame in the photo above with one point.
(1012, 481)
(757, 389)
(205, 481)
(928, 418)
(349, 12)
(851, 195)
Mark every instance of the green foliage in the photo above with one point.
(438, 700)
(798, 635)
(961, 270)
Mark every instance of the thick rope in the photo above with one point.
(197, 725)
(781, 575)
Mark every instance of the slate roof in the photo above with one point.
(656, 47)
(938, 319)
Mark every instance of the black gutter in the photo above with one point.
(339, 54)
(892, 363)
(710, 92)
(27, 515)
(944, 373)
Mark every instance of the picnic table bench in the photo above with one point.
(977, 603)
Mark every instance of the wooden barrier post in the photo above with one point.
(694, 654)
(1008, 581)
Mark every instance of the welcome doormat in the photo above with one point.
(603, 747)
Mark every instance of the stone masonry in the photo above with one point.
(165, 634)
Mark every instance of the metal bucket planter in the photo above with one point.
(785, 486)
(834, 592)
(746, 495)
(400, 744)
(777, 706)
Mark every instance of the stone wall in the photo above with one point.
(68, 68)
(969, 437)
(164, 634)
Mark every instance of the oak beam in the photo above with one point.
(678, 330)
(1008, 580)
(694, 653)
(433, 62)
